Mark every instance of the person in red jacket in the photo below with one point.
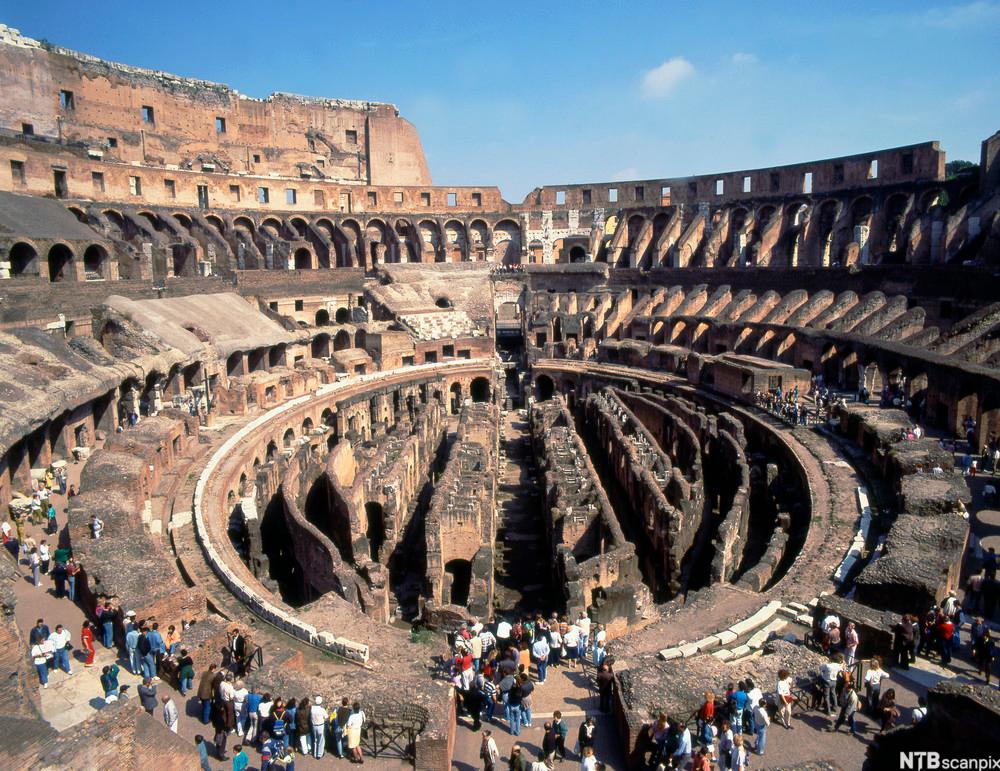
(945, 631)
(87, 641)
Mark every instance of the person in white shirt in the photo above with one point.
(60, 639)
(600, 636)
(761, 721)
(828, 672)
(571, 640)
(317, 722)
(503, 635)
(785, 697)
(873, 684)
(584, 624)
(170, 715)
(41, 652)
(489, 753)
(240, 694)
(354, 725)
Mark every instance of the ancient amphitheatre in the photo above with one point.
(314, 397)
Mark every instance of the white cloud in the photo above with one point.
(963, 16)
(742, 59)
(659, 82)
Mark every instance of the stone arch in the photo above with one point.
(342, 315)
(577, 254)
(322, 317)
(23, 259)
(544, 388)
(430, 238)
(409, 240)
(320, 346)
(303, 259)
(216, 222)
(244, 223)
(479, 389)
(60, 263)
(456, 240)
(507, 242)
(378, 242)
(95, 263)
(342, 340)
(353, 243)
(455, 398)
(299, 226)
(460, 571)
(288, 438)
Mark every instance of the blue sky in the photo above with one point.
(521, 95)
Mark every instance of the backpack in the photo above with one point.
(278, 729)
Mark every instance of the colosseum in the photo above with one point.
(300, 449)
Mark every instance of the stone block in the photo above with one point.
(668, 654)
(726, 637)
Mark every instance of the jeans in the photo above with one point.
(187, 683)
(305, 745)
(762, 736)
(108, 628)
(72, 588)
(149, 666)
(829, 696)
(849, 719)
(581, 650)
(526, 713)
(173, 649)
(514, 716)
(206, 710)
(542, 668)
(338, 740)
(62, 661)
(319, 740)
(43, 673)
(491, 706)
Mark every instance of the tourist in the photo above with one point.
(761, 720)
(317, 722)
(253, 714)
(221, 727)
(873, 684)
(785, 698)
(355, 723)
(540, 652)
(681, 755)
(44, 556)
(72, 570)
(703, 760)
(302, 726)
(488, 751)
(571, 644)
(172, 640)
(35, 563)
(850, 643)
(87, 641)
(561, 731)
(983, 654)
(600, 637)
(340, 716)
(548, 753)
(60, 640)
(726, 738)
(706, 712)
(39, 632)
(829, 671)
(185, 672)
(605, 687)
(240, 694)
(205, 691)
(147, 654)
(199, 742)
(158, 646)
(109, 682)
(170, 716)
(527, 689)
(106, 616)
(514, 697)
(583, 624)
(518, 761)
(920, 711)
(848, 709)
(147, 695)
(887, 710)
(587, 760)
(738, 758)
(96, 523)
(585, 736)
(240, 759)
(41, 655)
